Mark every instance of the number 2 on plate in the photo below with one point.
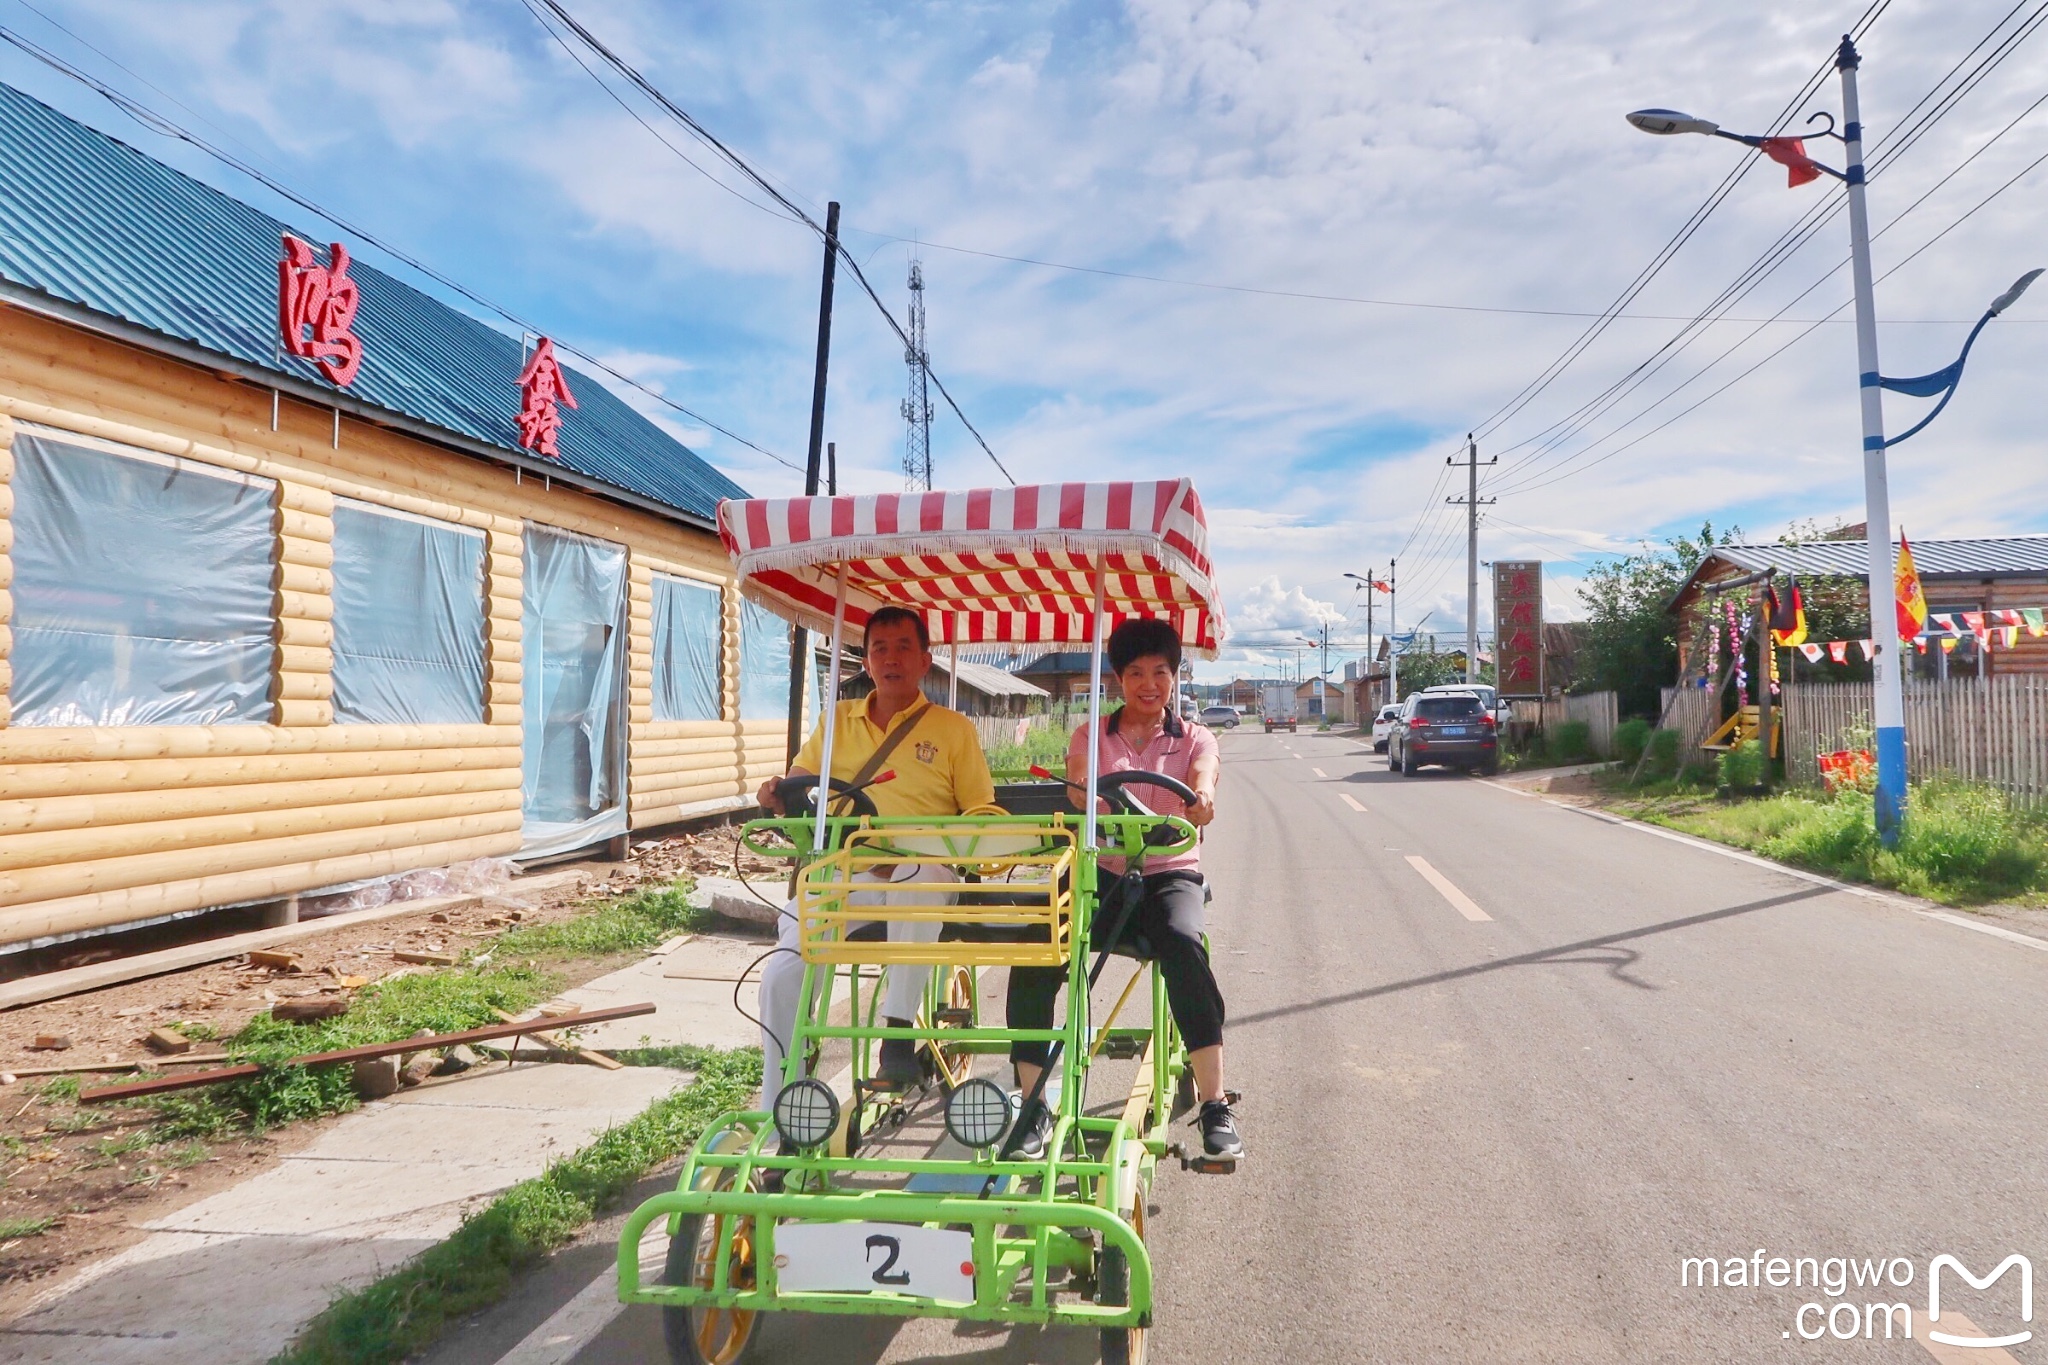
(894, 1248)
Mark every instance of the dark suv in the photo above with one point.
(1450, 729)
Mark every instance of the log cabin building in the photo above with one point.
(271, 621)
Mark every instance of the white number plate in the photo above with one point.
(928, 1263)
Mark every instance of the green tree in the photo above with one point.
(1423, 668)
(1630, 645)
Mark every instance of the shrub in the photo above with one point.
(1629, 738)
(1966, 837)
(1662, 753)
(1570, 741)
(1830, 836)
(1743, 766)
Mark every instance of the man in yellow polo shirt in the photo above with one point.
(939, 770)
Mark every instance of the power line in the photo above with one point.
(739, 163)
(1815, 218)
(164, 126)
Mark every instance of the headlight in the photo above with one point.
(806, 1113)
(977, 1113)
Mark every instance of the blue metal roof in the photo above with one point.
(1981, 556)
(90, 221)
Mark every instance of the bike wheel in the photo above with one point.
(709, 1336)
(1121, 1345)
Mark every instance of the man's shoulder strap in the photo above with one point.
(890, 743)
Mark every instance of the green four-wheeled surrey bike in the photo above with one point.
(818, 1206)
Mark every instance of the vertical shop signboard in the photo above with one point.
(1518, 626)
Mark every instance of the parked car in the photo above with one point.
(1383, 725)
(1487, 694)
(1278, 706)
(1448, 729)
(1220, 717)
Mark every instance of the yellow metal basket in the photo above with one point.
(1023, 919)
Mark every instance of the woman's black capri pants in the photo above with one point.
(1169, 919)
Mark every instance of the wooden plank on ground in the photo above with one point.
(356, 1054)
(568, 1049)
(54, 985)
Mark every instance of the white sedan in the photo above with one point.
(1382, 726)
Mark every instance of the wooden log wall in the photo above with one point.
(105, 826)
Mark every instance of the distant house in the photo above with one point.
(985, 690)
(1064, 674)
(1987, 573)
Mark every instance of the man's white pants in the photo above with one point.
(782, 976)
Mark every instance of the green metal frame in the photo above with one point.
(1060, 1212)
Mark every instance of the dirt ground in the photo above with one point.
(89, 1170)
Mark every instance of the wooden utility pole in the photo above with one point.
(799, 638)
(1470, 502)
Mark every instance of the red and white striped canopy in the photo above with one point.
(985, 566)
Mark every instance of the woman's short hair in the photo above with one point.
(889, 616)
(1134, 640)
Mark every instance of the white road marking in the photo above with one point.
(1955, 1324)
(1348, 799)
(1460, 902)
(1318, 772)
(1850, 888)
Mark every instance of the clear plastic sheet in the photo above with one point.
(477, 877)
(408, 619)
(688, 629)
(573, 648)
(764, 664)
(141, 588)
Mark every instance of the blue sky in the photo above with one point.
(1466, 153)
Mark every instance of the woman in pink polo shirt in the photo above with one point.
(1145, 733)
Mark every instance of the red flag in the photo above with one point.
(1790, 152)
(1838, 650)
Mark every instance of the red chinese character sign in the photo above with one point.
(542, 389)
(316, 307)
(1518, 626)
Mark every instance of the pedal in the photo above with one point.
(955, 1018)
(1123, 1048)
(1202, 1163)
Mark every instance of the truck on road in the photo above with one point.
(1278, 706)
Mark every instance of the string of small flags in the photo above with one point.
(1999, 629)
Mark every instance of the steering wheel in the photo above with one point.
(799, 795)
(1111, 788)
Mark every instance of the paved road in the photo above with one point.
(1507, 1065)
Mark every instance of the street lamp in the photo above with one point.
(1372, 586)
(1790, 152)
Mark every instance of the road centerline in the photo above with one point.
(1348, 799)
(1318, 772)
(1460, 902)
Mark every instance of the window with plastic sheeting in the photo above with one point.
(688, 635)
(573, 650)
(142, 587)
(764, 664)
(408, 619)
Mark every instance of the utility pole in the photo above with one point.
(1393, 655)
(1887, 670)
(917, 408)
(799, 638)
(1471, 503)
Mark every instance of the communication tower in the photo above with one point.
(917, 408)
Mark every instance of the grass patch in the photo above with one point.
(443, 1001)
(1045, 746)
(406, 1310)
(621, 926)
(1963, 843)
(12, 1228)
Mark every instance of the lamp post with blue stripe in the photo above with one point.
(1888, 666)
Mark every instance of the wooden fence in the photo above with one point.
(1992, 730)
(1693, 712)
(1599, 710)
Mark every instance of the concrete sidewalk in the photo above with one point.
(230, 1279)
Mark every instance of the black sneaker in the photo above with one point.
(1219, 1130)
(896, 1068)
(1031, 1138)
